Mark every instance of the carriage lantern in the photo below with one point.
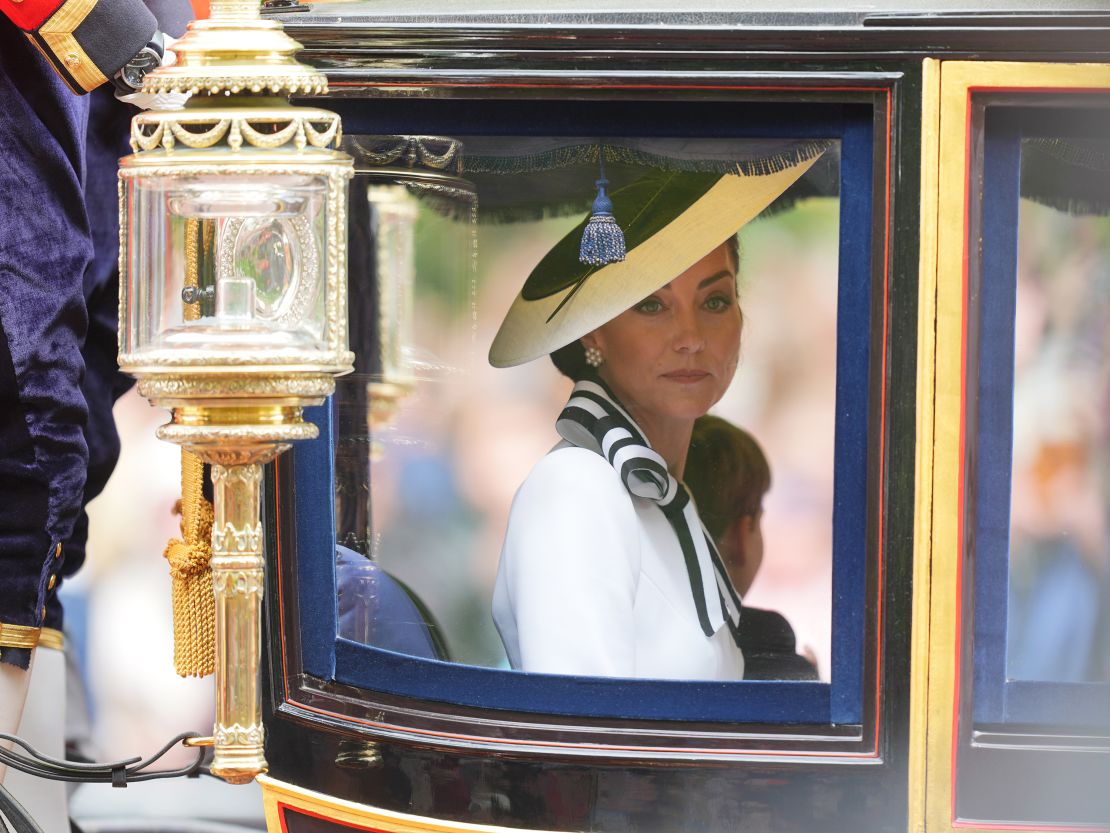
(233, 300)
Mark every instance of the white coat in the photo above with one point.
(592, 581)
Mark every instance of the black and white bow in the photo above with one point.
(594, 420)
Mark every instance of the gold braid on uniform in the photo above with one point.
(194, 607)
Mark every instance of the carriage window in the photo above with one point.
(1032, 705)
(1042, 632)
(679, 493)
(452, 439)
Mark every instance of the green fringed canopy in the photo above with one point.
(1070, 175)
(523, 179)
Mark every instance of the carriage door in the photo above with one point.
(1014, 474)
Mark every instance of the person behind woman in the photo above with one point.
(728, 474)
(605, 569)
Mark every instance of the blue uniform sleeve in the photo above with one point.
(85, 41)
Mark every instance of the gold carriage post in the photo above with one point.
(233, 300)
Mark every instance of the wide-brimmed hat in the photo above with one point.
(670, 219)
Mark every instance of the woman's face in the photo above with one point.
(673, 355)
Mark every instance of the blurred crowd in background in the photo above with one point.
(1059, 598)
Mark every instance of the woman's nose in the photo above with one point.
(688, 337)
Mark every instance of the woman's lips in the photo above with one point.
(686, 377)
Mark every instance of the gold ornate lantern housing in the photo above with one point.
(233, 300)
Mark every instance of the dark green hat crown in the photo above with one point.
(641, 209)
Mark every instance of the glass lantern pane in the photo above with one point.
(227, 263)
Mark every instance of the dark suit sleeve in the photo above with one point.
(85, 41)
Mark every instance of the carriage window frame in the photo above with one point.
(969, 774)
(997, 700)
(863, 273)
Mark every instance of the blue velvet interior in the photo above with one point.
(994, 437)
(328, 657)
(996, 700)
(762, 701)
(853, 324)
(314, 502)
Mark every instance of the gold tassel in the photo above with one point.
(194, 609)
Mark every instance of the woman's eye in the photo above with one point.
(649, 306)
(718, 303)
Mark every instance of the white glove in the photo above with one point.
(155, 101)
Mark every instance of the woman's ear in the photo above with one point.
(591, 339)
(740, 529)
(729, 544)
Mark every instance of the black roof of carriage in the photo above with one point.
(662, 12)
(976, 28)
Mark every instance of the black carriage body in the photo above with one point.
(404, 69)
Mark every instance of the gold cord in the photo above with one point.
(194, 611)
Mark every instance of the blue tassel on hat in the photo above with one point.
(602, 239)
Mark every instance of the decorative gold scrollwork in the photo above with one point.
(232, 540)
(293, 84)
(260, 129)
(329, 136)
(238, 735)
(272, 140)
(189, 138)
(437, 153)
(309, 387)
(228, 583)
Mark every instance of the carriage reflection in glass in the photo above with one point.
(925, 363)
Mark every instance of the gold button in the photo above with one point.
(72, 60)
(44, 611)
(58, 550)
(53, 580)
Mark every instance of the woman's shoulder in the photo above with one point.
(574, 501)
(576, 474)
